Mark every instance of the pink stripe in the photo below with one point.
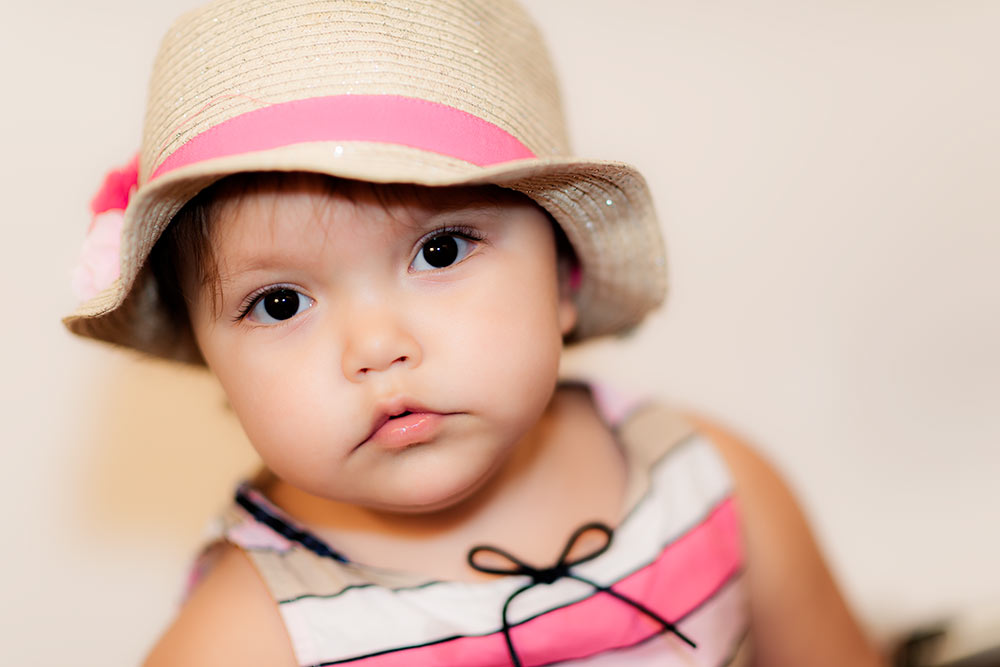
(723, 619)
(388, 119)
(686, 574)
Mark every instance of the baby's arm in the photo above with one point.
(230, 619)
(798, 616)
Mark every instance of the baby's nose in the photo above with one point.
(377, 340)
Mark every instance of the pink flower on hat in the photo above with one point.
(99, 264)
(118, 186)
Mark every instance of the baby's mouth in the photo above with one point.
(399, 431)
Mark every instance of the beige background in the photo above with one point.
(827, 174)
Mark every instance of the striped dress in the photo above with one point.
(677, 553)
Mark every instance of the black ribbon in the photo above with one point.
(552, 574)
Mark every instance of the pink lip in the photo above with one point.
(400, 422)
(408, 429)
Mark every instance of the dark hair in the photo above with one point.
(183, 257)
(185, 247)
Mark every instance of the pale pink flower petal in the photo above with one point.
(99, 264)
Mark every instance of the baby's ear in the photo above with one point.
(569, 282)
(569, 276)
(567, 313)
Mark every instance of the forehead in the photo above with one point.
(261, 202)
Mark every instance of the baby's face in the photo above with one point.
(388, 351)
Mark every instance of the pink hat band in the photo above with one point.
(390, 119)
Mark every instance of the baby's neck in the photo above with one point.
(567, 471)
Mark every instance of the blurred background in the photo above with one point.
(827, 176)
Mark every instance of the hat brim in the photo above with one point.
(604, 208)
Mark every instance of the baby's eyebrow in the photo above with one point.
(462, 211)
(257, 262)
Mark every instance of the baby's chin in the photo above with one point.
(435, 496)
(430, 506)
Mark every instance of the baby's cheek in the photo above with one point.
(277, 403)
(516, 349)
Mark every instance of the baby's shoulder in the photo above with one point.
(229, 618)
(798, 614)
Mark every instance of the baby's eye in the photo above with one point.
(278, 305)
(441, 251)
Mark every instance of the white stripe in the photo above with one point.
(685, 486)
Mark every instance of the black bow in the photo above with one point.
(558, 571)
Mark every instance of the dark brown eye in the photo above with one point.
(441, 251)
(280, 305)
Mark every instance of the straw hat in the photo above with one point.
(430, 92)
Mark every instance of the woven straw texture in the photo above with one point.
(481, 57)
